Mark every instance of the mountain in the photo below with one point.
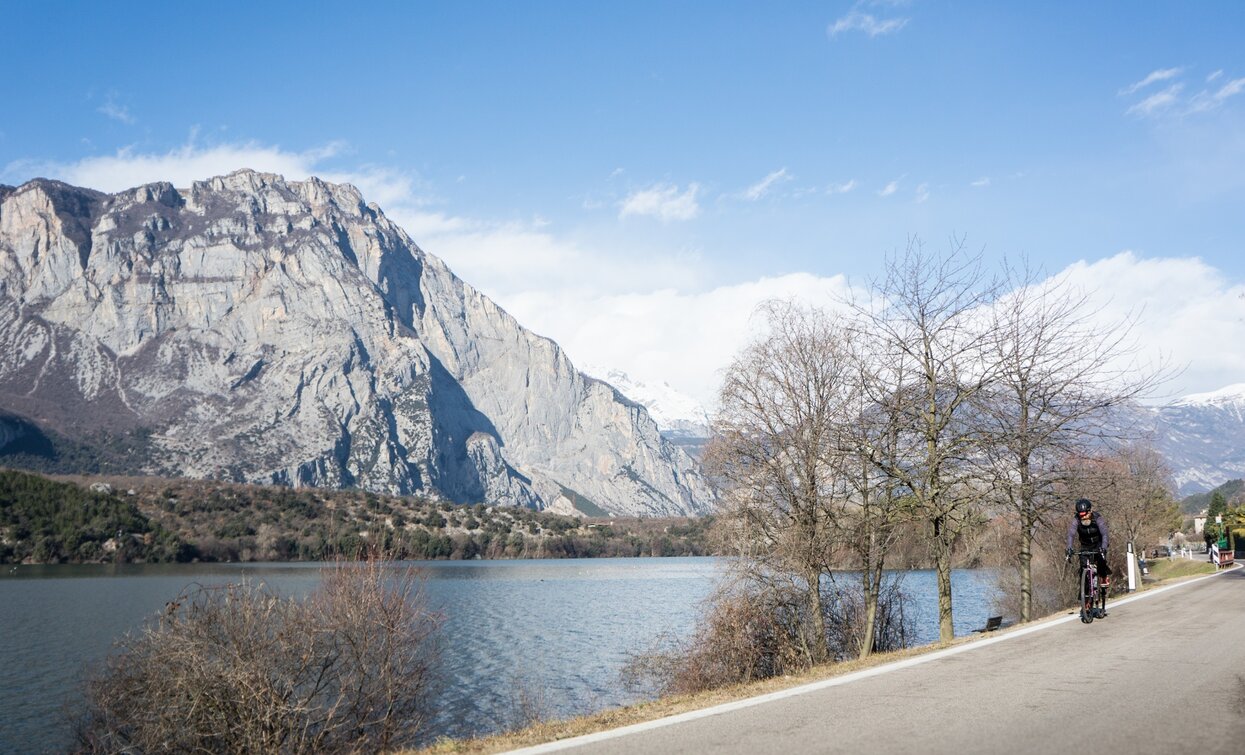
(677, 414)
(682, 419)
(255, 329)
(1203, 438)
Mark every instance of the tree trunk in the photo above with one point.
(1027, 524)
(942, 565)
(816, 624)
(873, 586)
(1027, 515)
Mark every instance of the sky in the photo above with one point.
(632, 179)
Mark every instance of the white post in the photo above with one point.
(1132, 568)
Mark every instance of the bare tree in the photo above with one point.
(930, 346)
(1059, 372)
(872, 515)
(240, 669)
(773, 454)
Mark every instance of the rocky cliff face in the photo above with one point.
(258, 329)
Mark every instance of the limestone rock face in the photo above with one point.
(257, 329)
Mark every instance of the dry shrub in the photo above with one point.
(240, 668)
(846, 619)
(752, 631)
(1054, 582)
(746, 634)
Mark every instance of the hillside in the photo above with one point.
(1199, 502)
(214, 521)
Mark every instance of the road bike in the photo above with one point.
(1093, 598)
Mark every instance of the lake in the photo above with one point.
(519, 638)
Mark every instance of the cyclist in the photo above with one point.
(1090, 529)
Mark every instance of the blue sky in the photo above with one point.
(632, 178)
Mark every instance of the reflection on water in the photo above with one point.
(520, 638)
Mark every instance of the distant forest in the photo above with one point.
(90, 520)
(43, 521)
(1199, 502)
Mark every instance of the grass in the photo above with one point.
(1161, 570)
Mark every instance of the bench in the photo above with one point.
(992, 623)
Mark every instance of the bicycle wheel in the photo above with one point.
(1087, 597)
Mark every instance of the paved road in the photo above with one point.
(1164, 673)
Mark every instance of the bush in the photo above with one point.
(239, 668)
(1054, 586)
(746, 635)
(846, 619)
(752, 631)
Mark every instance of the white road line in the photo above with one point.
(601, 736)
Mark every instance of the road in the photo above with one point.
(1164, 673)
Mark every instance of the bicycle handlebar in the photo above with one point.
(1085, 554)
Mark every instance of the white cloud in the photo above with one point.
(1206, 100)
(867, 23)
(1190, 311)
(687, 338)
(922, 193)
(181, 166)
(117, 112)
(1162, 74)
(889, 189)
(667, 335)
(421, 225)
(762, 187)
(1158, 102)
(506, 260)
(1172, 101)
(841, 188)
(1231, 89)
(394, 191)
(664, 202)
(981, 183)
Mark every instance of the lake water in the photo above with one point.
(520, 637)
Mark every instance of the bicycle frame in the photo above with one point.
(1090, 590)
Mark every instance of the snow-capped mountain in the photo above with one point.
(1231, 397)
(678, 415)
(1202, 435)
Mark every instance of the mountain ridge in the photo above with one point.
(313, 341)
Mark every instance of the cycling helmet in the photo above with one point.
(1083, 506)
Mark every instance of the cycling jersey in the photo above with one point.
(1092, 535)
